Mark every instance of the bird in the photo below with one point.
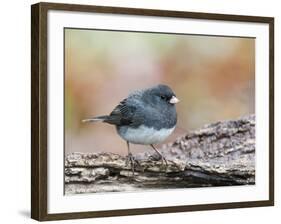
(146, 117)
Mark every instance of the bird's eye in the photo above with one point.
(163, 97)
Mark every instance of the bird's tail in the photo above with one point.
(95, 119)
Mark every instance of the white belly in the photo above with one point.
(144, 135)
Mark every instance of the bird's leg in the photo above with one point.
(161, 156)
(130, 159)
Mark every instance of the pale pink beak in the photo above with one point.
(174, 100)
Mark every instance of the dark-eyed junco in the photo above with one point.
(146, 117)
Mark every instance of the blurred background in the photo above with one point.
(214, 78)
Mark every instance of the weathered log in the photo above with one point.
(218, 154)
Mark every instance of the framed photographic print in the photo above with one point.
(140, 111)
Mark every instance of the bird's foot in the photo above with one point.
(133, 163)
(158, 157)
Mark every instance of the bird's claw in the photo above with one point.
(158, 157)
(131, 159)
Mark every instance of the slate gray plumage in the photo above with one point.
(145, 117)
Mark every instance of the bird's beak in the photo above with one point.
(86, 120)
(174, 100)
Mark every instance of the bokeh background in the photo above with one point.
(212, 76)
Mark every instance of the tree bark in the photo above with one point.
(218, 154)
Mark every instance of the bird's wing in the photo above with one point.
(124, 114)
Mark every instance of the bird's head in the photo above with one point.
(163, 94)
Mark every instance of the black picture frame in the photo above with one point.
(39, 106)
